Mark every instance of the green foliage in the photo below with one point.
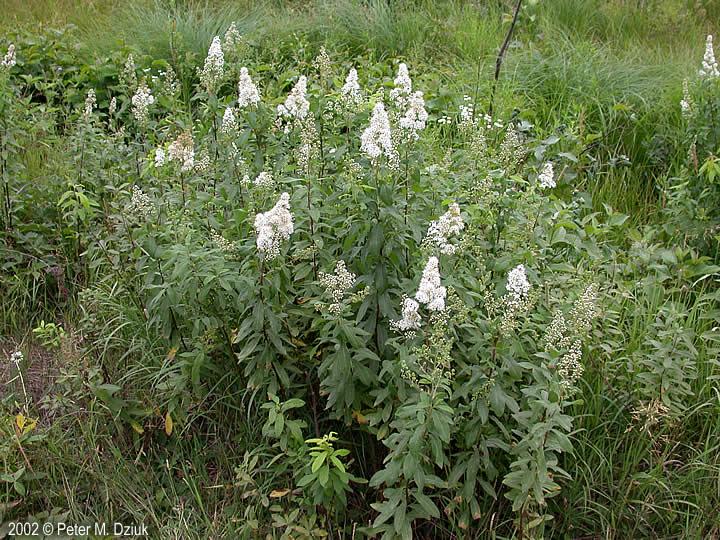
(536, 390)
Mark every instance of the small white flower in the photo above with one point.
(159, 157)
(403, 86)
(17, 357)
(212, 71)
(518, 285)
(351, 89)
(411, 319)
(546, 178)
(264, 180)
(141, 102)
(430, 291)
(415, 116)
(232, 37)
(449, 224)
(296, 105)
(113, 106)
(182, 150)
(229, 122)
(90, 102)
(376, 140)
(709, 67)
(9, 59)
(273, 227)
(248, 93)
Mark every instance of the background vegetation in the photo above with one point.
(96, 441)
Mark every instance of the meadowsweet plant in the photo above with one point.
(399, 307)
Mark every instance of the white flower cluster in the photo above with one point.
(336, 285)
(17, 357)
(229, 123)
(273, 227)
(141, 102)
(232, 37)
(129, 77)
(159, 157)
(709, 67)
(296, 105)
(202, 162)
(511, 149)
(223, 244)
(411, 319)
(140, 205)
(9, 59)
(90, 103)
(403, 86)
(518, 285)
(350, 91)
(431, 292)
(449, 224)
(570, 367)
(546, 178)
(248, 93)
(415, 116)
(686, 103)
(170, 83)
(182, 150)
(376, 140)
(264, 180)
(322, 63)
(309, 144)
(212, 71)
(559, 334)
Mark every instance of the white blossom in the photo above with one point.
(264, 180)
(351, 89)
(159, 157)
(430, 291)
(273, 227)
(9, 59)
(546, 178)
(182, 150)
(411, 319)
(416, 115)
(296, 105)
(232, 37)
(212, 71)
(90, 103)
(229, 122)
(518, 285)
(248, 93)
(403, 86)
(376, 140)
(17, 357)
(449, 224)
(113, 106)
(129, 77)
(709, 67)
(140, 206)
(141, 102)
(337, 284)
(686, 103)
